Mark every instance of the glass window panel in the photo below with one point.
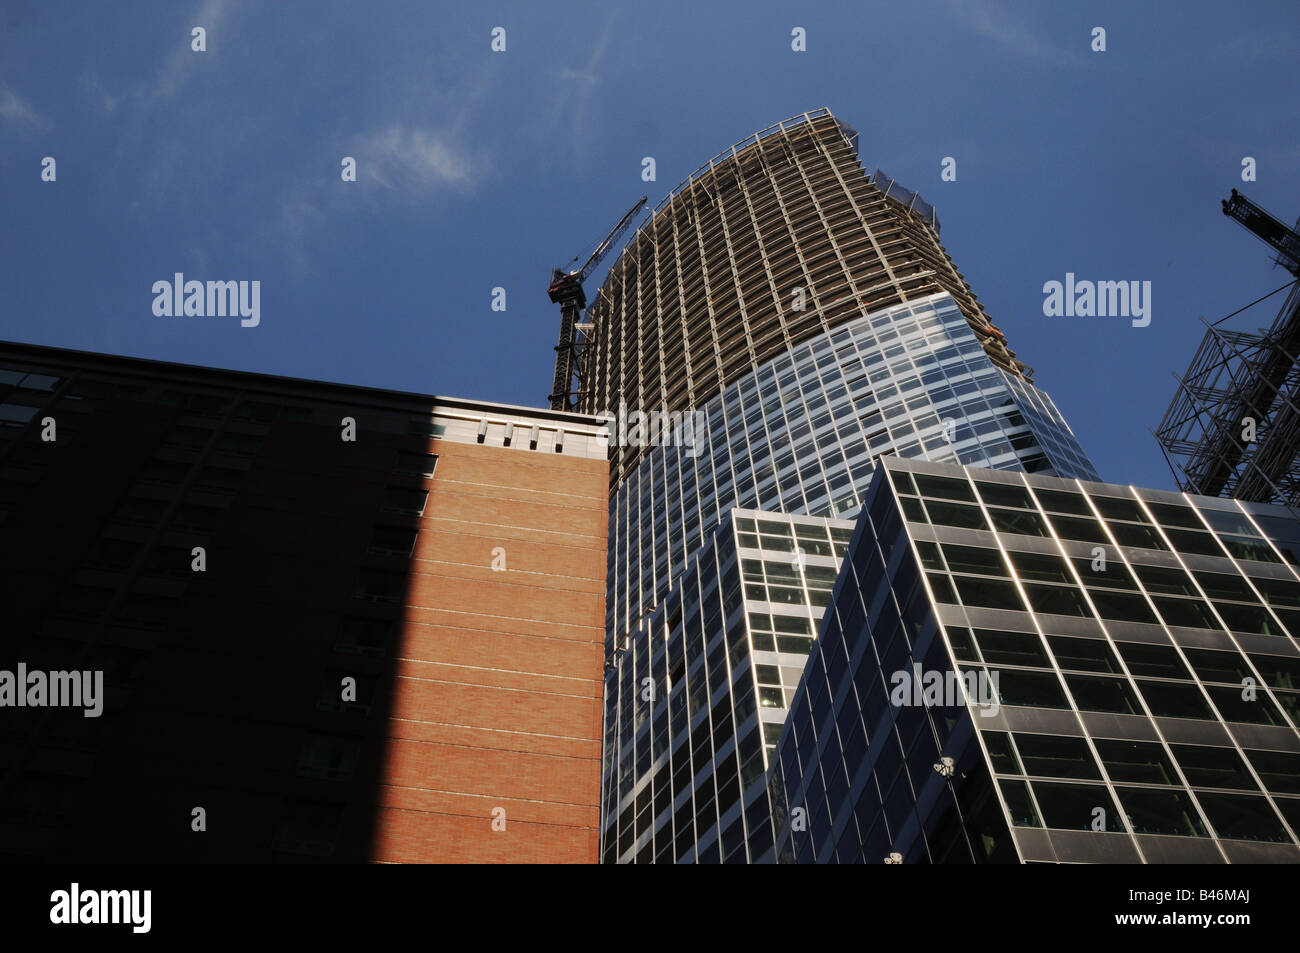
(1143, 537)
(942, 586)
(913, 511)
(1172, 514)
(1207, 767)
(1242, 817)
(1060, 502)
(962, 643)
(1229, 521)
(943, 488)
(1169, 700)
(1290, 619)
(1166, 580)
(988, 593)
(955, 514)
(1001, 753)
(1057, 600)
(1202, 544)
(929, 555)
(1090, 655)
(1083, 529)
(1248, 619)
(1075, 806)
(1006, 494)
(1290, 809)
(1191, 613)
(1285, 534)
(1117, 508)
(1278, 671)
(1279, 770)
(1041, 566)
(973, 559)
(1222, 585)
(1255, 711)
(1156, 661)
(1053, 756)
(1279, 591)
(1103, 694)
(1136, 762)
(1121, 606)
(1152, 811)
(1030, 689)
(1020, 522)
(1243, 547)
(1011, 648)
(1019, 805)
(1214, 666)
(903, 480)
(1114, 576)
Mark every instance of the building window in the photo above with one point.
(1011, 648)
(1153, 811)
(415, 464)
(1074, 806)
(1057, 757)
(1088, 655)
(1242, 817)
(362, 636)
(331, 757)
(1207, 767)
(392, 541)
(1103, 694)
(1136, 762)
(401, 499)
(425, 428)
(377, 585)
(334, 687)
(308, 828)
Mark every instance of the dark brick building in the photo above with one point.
(383, 648)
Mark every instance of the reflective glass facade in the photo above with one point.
(699, 694)
(807, 315)
(1142, 651)
(801, 435)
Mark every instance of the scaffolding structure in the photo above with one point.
(779, 239)
(1233, 428)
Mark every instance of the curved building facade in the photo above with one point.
(723, 551)
(779, 239)
(802, 434)
(807, 317)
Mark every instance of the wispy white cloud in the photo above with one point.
(211, 15)
(578, 86)
(94, 87)
(1004, 28)
(415, 159)
(16, 109)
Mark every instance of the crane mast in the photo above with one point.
(566, 290)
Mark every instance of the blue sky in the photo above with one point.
(479, 169)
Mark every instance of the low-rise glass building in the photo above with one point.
(1016, 667)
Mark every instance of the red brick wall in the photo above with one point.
(496, 698)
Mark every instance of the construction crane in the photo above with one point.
(1242, 380)
(566, 291)
(1283, 240)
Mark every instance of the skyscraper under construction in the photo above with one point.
(808, 312)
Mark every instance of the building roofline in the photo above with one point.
(143, 365)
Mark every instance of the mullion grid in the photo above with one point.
(1110, 641)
